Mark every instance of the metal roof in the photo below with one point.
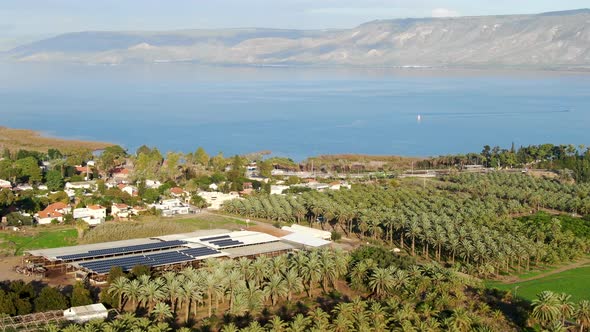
(305, 240)
(257, 249)
(51, 254)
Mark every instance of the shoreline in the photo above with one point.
(36, 140)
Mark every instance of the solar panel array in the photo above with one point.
(126, 263)
(123, 250)
(157, 259)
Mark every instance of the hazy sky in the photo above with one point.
(23, 20)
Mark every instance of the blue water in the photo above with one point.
(297, 112)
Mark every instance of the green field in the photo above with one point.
(575, 282)
(15, 243)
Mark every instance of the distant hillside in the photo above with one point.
(556, 39)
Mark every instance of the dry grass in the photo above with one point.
(115, 231)
(15, 139)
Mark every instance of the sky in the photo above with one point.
(23, 21)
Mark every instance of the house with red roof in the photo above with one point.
(52, 211)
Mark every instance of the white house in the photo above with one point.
(213, 186)
(93, 214)
(5, 184)
(81, 185)
(131, 190)
(277, 189)
(170, 207)
(121, 210)
(215, 199)
(153, 184)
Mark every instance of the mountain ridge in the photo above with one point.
(546, 40)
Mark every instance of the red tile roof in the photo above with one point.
(95, 207)
(82, 169)
(56, 206)
(121, 205)
(50, 214)
(177, 190)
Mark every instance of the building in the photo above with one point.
(52, 211)
(163, 253)
(90, 185)
(5, 184)
(215, 199)
(120, 174)
(120, 210)
(170, 207)
(278, 189)
(313, 232)
(131, 190)
(153, 184)
(93, 214)
(86, 313)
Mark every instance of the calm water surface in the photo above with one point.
(296, 112)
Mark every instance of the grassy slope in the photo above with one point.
(575, 282)
(15, 139)
(16, 243)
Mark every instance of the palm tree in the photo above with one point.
(381, 281)
(300, 323)
(276, 288)
(211, 282)
(232, 281)
(173, 287)
(161, 312)
(566, 307)
(545, 308)
(320, 319)
(413, 230)
(341, 324)
(582, 314)
(460, 320)
(293, 283)
(231, 327)
(151, 293)
(118, 288)
(254, 326)
(133, 292)
(312, 272)
(276, 324)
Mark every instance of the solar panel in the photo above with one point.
(169, 258)
(207, 239)
(199, 252)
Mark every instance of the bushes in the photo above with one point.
(20, 298)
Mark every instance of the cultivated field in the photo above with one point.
(575, 282)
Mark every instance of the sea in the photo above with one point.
(297, 112)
